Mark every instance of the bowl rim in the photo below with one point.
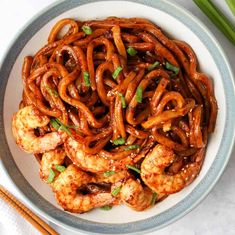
(44, 208)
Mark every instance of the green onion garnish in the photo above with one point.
(60, 168)
(67, 126)
(87, 79)
(153, 66)
(52, 91)
(122, 100)
(131, 51)
(218, 18)
(133, 168)
(154, 198)
(51, 176)
(134, 146)
(109, 173)
(173, 68)
(55, 124)
(116, 191)
(119, 141)
(65, 129)
(87, 29)
(139, 92)
(106, 208)
(231, 4)
(116, 72)
(58, 125)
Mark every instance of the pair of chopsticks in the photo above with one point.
(39, 224)
(218, 18)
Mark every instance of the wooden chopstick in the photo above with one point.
(38, 223)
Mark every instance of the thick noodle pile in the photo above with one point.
(115, 112)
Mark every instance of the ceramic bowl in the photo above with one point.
(22, 168)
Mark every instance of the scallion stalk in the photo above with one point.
(131, 147)
(106, 208)
(58, 125)
(131, 51)
(116, 72)
(60, 168)
(154, 199)
(87, 79)
(87, 29)
(133, 168)
(51, 176)
(173, 68)
(231, 4)
(116, 191)
(153, 66)
(139, 94)
(55, 124)
(109, 173)
(122, 100)
(218, 18)
(119, 141)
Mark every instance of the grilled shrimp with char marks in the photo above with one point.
(23, 124)
(153, 171)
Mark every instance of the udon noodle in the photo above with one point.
(115, 112)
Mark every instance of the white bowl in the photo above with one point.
(23, 169)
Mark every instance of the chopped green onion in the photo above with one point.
(218, 18)
(139, 92)
(122, 100)
(133, 168)
(231, 5)
(173, 68)
(116, 72)
(51, 176)
(119, 141)
(60, 168)
(154, 198)
(131, 51)
(52, 91)
(58, 125)
(109, 173)
(65, 129)
(55, 124)
(153, 66)
(134, 146)
(87, 29)
(67, 126)
(116, 191)
(106, 208)
(87, 79)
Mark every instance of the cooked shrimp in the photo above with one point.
(49, 161)
(153, 171)
(134, 195)
(66, 188)
(114, 177)
(96, 163)
(23, 124)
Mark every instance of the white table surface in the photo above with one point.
(216, 214)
